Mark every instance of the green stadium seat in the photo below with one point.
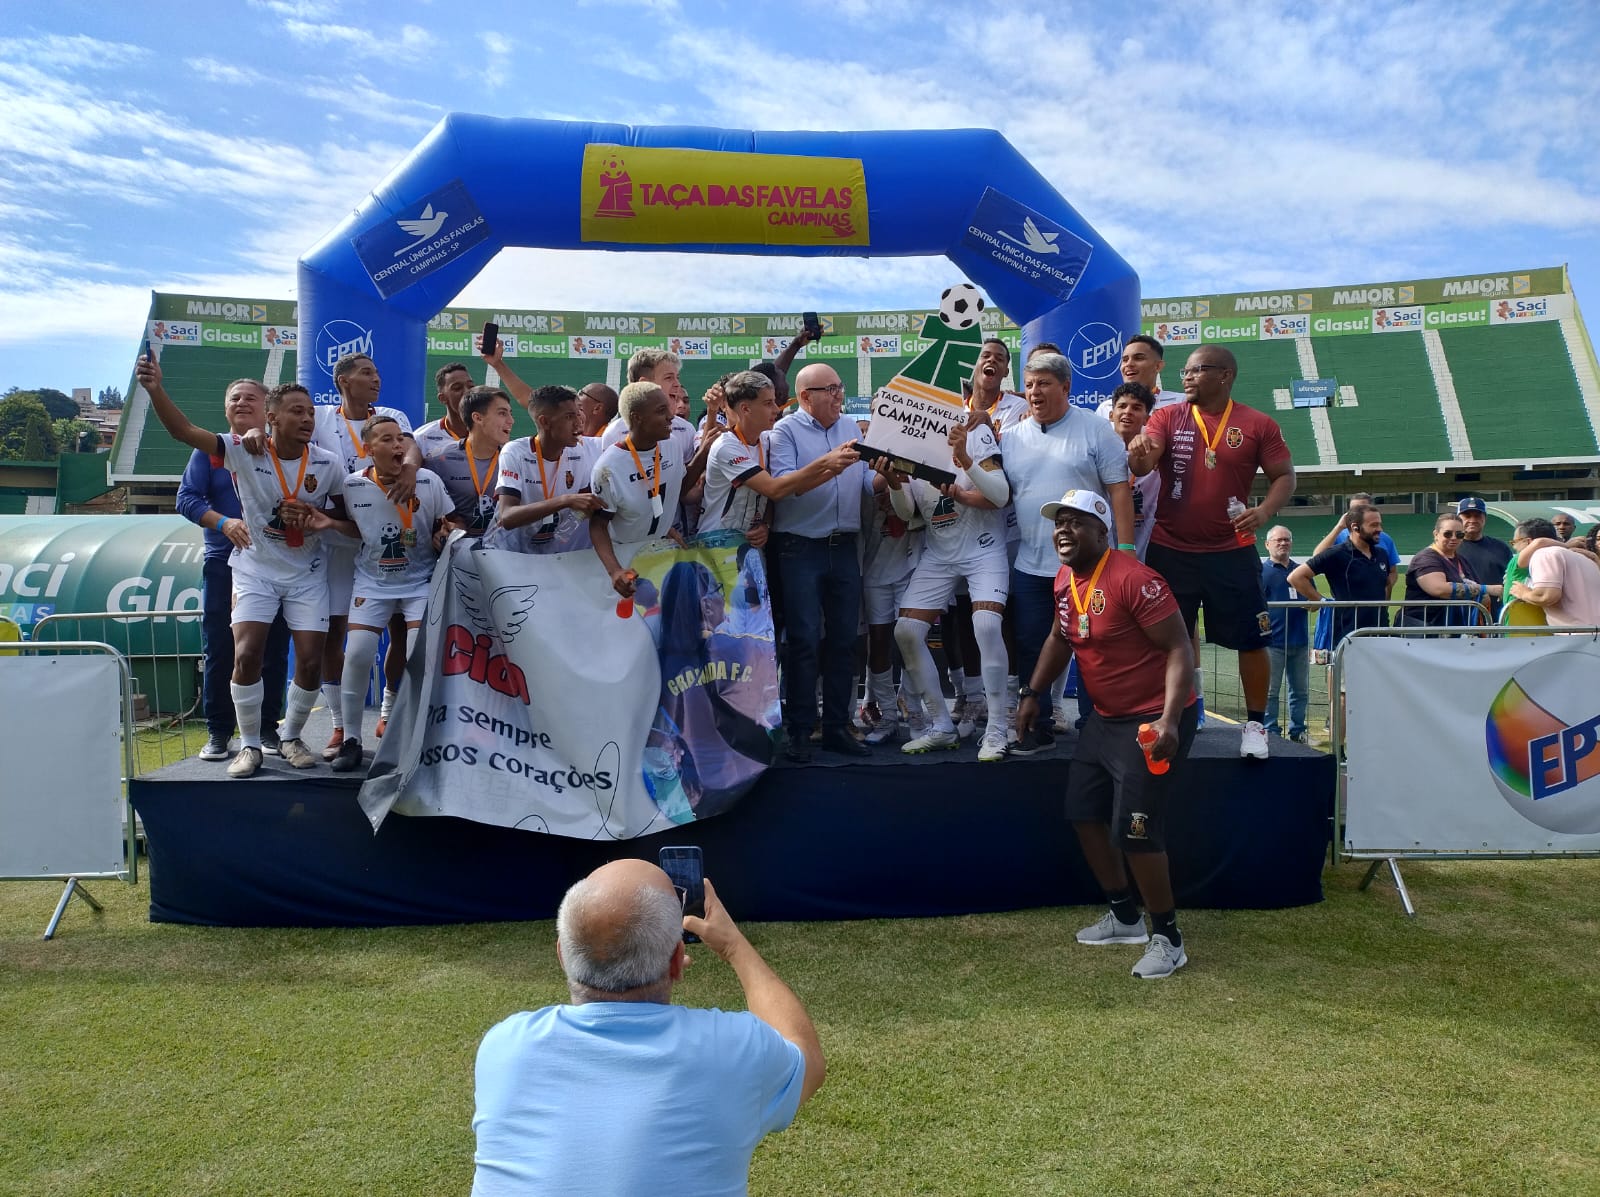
(1264, 366)
(1517, 391)
(1397, 417)
(196, 377)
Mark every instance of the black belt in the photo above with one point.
(833, 538)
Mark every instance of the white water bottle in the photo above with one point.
(1236, 508)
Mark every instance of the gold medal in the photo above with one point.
(1082, 604)
(409, 538)
(1211, 459)
(1083, 625)
(1209, 438)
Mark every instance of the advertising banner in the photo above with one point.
(534, 700)
(422, 238)
(1547, 281)
(1473, 745)
(654, 196)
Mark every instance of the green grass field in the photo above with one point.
(1338, 1048)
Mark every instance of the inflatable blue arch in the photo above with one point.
(477, 184)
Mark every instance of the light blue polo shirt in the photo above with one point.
(615, 1098)
(1080, 451)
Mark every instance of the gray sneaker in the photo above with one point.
(246, 763)
(1160, 959)
(1108, 930)
(216, 748)
(296, 754)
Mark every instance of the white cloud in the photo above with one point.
(497, 53)
(411, 44)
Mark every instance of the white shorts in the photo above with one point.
(373, 608)
(934, 584)
(882, 600)
(303, 600)
(339, 563)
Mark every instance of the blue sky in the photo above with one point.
(1219, 147)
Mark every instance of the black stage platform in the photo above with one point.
(889, 836)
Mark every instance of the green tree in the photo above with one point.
(25, 432)
(75, 436)
(110, 398)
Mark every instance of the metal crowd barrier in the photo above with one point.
(90, 805)
(1337, 747)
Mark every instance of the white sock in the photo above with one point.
(1058, 688)
(987, 627)
(247, 710)
(912, 637)
(1011, 691)
(387, 707)
(910, 700)
(958, 679)
(880, 689)
(975, 686)
(330, 699)
(360, 650)
(1199, 682)
(297, 710)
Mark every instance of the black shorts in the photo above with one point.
(1110, 781)
(1228, 583)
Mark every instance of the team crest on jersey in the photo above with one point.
(1264, 622)
(1097, 602)
(357, 601)
(1138, 825)
(1235, 437)
(311, 484)
(570, 480)
(1151, 589)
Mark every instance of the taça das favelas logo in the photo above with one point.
(648, 196)
(1543, 740)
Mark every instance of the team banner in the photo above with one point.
(535, 701)
(1473, 745)
(652, 196)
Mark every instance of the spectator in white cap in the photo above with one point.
(1121, 619)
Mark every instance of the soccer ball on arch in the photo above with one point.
(959, 305)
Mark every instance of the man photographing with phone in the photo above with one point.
(622, 1090)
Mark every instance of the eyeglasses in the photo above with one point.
(833, 388)
(1189, 371)
(1453, 535)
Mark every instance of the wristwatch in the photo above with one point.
(1026, 691)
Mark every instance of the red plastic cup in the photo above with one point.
(1147, 741)
(625, 606)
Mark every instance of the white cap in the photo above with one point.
(1080, 500)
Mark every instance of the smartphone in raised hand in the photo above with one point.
(491, 339)
(812, 324)
(686, 866)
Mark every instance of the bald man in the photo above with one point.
(623, 1091)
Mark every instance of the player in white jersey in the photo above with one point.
(990, 396)
(890, 549)
(739, 488)
(662, 368)
(282, 566)
(1142, 359)
(339, 431)
(451, 382)
(965, 539)
(399, 544)
(639, 483)
(544, 487)
(469, 468)
(1131, 405)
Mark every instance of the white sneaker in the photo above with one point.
(883, 731)
(1253, 741)
(993, 747)
(933, 741)
(1160, 959)
(1065, 722)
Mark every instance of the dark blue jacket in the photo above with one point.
(208, 486)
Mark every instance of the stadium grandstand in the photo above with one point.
(1416, 392)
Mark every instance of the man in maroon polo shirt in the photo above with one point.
(1122, 621)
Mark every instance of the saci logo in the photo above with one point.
(1095, 350)
(1280, 327)
(1514, 311)
(1397, 319)
(175, 332)
(339, 337)
(1542, 737)
(1179, 332)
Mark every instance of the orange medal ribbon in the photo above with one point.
(1210, 439)
(1082, 604)
(293, 537)
(656, 506)
(361, 449)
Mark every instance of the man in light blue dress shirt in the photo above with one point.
(814, 536)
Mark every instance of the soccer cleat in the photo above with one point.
(884, 731)
(246, 763)
(964, 728)
(934, 741)
(297, 755)
(383, 726)
(270, 742)
(349, 758)
(332, 750)
(868, 716)
(1253, 741)
(216, 748)
(1108, 931)
(993, 747)
(1160, 959)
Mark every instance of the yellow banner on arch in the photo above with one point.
(647, 196)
